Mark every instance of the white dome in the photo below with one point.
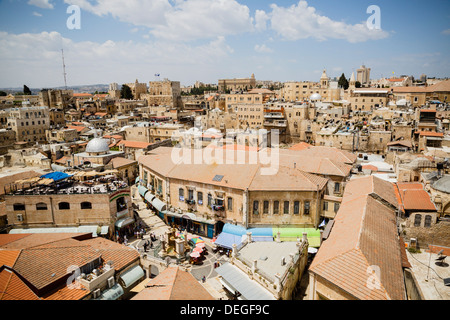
(98, 145)
(315, 96)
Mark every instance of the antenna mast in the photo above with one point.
(64, 69)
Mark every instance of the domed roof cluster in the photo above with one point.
(315, 96)
(97, 145)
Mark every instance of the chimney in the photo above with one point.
(283, 261)
(254, 266)
(305, 237)
(249, 237)
(295, 165)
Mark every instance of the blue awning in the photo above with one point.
(142, 190)
(131, 276)
(234, 229)
(113, 293)
(226, 240)
(56, 176)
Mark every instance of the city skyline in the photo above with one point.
(205, 40)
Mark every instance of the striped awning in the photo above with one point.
(142, 190)
(149, 197)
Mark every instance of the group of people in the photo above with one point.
(149, 243)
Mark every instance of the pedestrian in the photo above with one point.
(151, 244)
(204, 279)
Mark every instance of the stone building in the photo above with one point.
(237, 84)
(29, 123)
(348, 265)
(97, 154)
(221, 193)
(53, 98)
(164, 92)
(137, 89)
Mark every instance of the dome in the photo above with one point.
(315, 96)
(97, 145)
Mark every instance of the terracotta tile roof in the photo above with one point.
(332, 153)
(33, 240)
(405, 143)
(82, 95)
(66, 293)
(8, 257)
(174, 284)
(364, 234)
(13, 288)
(78, 128)
(430, 134)
(417, 200)
(5, 239)
(120, 162)
(301, 146)
(370, 167)
(134, 144)
(43, 266)
(410, 89)
(287, 179)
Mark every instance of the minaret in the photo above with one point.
(352, 83)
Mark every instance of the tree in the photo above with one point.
(3, 94)
(357, 84)
(343, 82)
(26, 91)
(126, 93)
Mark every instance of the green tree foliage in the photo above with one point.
(126, 93)
(343, 82)
(357, 84)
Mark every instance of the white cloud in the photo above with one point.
(36, 59)
(44, 4)
(446, 32)
(261, 19)
(302, 21)
(262, 49)
(37, 14)
(180, 20)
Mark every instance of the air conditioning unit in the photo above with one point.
(96, 293)
(111, 282)
(20, 217)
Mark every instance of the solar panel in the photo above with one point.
(218, 178)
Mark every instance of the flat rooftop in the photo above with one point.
(268, 256)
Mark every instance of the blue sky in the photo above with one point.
(205, 40)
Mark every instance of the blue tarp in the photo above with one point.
(56, 176)
(267, 232)
(226, 240)
(234, 229)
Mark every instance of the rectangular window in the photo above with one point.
(200, 198)
(191, 194)
(306, 209)
(230, 204)
(337, 187)
(336, 207)
(276, 207)
(296, 207)
(286, 207)
(181, 194)
(325, 206)
(266, 207)
(19, 207)
(255, 207)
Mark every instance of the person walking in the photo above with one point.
(204, 279)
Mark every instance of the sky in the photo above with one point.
(206, 40)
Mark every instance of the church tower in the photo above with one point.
(324, 80)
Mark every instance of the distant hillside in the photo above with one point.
(91, 88)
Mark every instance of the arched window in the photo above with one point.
(64, 206)
(121, 204)
(181, 194)
(41, 206)
(86, 205)
(417, 220)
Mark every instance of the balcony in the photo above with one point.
(190, 201)
(279, 123)
(273, 115)
(217, 207)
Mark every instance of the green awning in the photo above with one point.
(131, 276)
(291, 234)
(124, 222)
(113, 293)
(158, 204)
(142, 190)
